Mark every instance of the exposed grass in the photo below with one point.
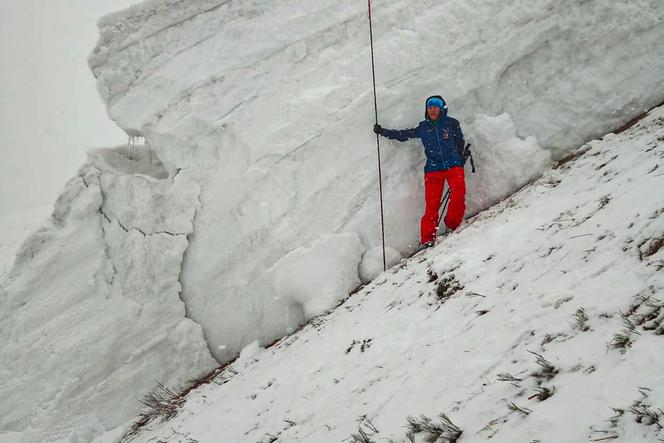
(163, 403)
(650, 247)
(443, 430)
(581, 320)
(365, 431)
(548, 338)
(509, 378)
(446, 287)
(605, 200)
(160, 405)
(360, 437)
(547, 370)
(364, 345)
(513, 407)
(644, 413)
(623, 339)
(543, 393)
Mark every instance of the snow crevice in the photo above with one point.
(107, 251)
(181, 294)
(139, 230)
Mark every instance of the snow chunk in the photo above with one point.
(372, 262)
(90, 315)
(318, 277)
(249, 351)
(504, 161)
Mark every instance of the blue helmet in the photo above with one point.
(436, 100)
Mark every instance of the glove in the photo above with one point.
(377, 128)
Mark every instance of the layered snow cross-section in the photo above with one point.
(261, 115)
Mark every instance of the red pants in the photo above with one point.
(433, 192)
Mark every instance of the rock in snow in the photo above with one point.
(260, 114)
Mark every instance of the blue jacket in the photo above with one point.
(443, 141)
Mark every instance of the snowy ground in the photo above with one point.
(568, 269)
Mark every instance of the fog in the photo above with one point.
(50, 112)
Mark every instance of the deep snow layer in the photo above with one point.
(267, 106)
(548, 271)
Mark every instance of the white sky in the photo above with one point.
(50, 112)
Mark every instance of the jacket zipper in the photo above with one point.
(440, 148)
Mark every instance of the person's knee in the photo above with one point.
(431, 208)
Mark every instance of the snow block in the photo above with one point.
(372, 262)
(505, 162)
(90, 315)
(316, 278)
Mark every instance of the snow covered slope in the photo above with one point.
(261, 113)
(541, 321)
(267, 106)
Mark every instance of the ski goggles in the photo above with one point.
(435, 102)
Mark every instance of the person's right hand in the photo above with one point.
(377, 128)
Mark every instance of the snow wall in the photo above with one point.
(268, 107)
(261, 113)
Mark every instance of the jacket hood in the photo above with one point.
(443, 111)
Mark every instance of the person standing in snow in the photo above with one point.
(444, 148)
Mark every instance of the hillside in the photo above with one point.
(541, 321)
